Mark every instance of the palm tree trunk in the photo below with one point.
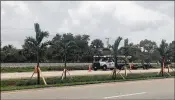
(125, 71)
(38, 73)
(65, 66)
(163, 66)
(114, 73)
(168, 68)
(162, 70)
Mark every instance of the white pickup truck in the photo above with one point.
(104, 64)
(108, 63)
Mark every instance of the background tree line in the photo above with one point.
(76, 48)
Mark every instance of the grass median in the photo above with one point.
(18, 84)
(44, 68)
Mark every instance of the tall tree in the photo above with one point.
(149, 47)
(171, 51)
(97, 46)
(36, 46)
(54, 52)
(126, 47)
(82, 42)
(163, 48)
(10, 54)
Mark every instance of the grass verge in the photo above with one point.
(51, 68)
(18, 84)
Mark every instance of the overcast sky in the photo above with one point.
(136, 20)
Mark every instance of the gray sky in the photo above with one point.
(136, 20)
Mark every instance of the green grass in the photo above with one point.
(51, 68)
(18, 84)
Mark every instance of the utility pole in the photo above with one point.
(107, 42)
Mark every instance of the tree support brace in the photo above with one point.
(63, 74)
(114, 73)
(36, 71)
(162, 70)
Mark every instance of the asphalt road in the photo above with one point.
(145, 89)
(20, 75)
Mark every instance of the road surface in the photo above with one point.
(19, 75)
(145, 89)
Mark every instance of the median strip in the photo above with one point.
(24, 75)
(18, 84)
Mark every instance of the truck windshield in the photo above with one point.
(104, 59)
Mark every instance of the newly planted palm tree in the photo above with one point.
(125, 50)
(163, 50)
(36, 46)
(65, 47)
(115, 54)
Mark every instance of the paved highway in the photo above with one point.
(145, 89)
(18, 75)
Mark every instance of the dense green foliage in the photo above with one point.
(77, 48)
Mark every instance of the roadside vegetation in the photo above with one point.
(18, 84)
(67, 47)
(53, 50)
(31, 68)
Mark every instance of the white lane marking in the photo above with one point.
(124, 95)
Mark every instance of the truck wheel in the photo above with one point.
(95, 69)
(104, 67)
(111, 68)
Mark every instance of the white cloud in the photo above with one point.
(100, 19)
(19, 6)
(17, 44)
(52, 5)
(134, 13)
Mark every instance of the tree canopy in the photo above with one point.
(78, 48)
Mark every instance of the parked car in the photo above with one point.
(142, 66)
